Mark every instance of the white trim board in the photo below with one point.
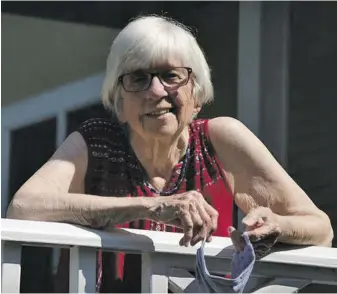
(49, 104)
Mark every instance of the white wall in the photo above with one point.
(39, 55)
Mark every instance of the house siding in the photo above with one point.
(312, 141)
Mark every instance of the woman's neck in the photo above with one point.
(159, 156)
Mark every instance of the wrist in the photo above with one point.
(285, 227)
(150, 207)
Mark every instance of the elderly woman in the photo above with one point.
(154, 166)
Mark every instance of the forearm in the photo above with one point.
(82, 209)
(306, 230)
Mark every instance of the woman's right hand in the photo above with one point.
(189, 211)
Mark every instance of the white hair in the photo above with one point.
(147, 41)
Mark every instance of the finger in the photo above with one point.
(262, 232)
(214, 215)
(205, 228)
(237, 239)
(253, 219)
(188, 229)
(198, 229)
(209, 237)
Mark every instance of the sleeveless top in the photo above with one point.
(114, 170)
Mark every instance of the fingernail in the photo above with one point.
(230, 229)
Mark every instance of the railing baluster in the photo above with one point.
(154, 273)
(82, 270)
(11, 267)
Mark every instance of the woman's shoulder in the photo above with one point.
(235, 142)
(222, 126)
(224, 121)
(226, 128)
(224, 133)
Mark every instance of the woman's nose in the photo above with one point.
(157, 89)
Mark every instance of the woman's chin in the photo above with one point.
(164, 131)
(162, 128)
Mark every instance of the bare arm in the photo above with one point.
(257, 179)
(56, 193)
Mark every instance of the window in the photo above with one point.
(31, 132)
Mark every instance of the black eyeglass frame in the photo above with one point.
(156, 74)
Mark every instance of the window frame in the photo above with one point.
(55, 103)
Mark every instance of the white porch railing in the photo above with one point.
(164, 263)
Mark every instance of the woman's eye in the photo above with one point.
(170, 75)
(138, 78)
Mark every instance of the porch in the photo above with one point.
(165, 265)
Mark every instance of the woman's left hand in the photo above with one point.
(260, 223)
(262, 227)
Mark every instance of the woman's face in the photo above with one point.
(162, 110)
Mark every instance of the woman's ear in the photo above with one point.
(196, 112)
(121, 117)
(119, 113)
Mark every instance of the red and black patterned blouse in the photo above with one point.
(114, 170)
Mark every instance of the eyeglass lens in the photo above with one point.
(141, 80)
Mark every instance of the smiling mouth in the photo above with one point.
(161, 112)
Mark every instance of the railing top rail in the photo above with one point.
(131, 240)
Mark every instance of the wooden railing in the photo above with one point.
(164, 262)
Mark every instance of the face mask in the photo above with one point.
(241, 269)
(241, 266)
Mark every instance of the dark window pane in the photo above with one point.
(31, 147)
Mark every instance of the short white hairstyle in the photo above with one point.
(150, 40)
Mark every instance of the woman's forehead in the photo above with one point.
(159, 55)
(165, 64)
(154, 65)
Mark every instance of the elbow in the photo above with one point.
(19, 208)
(330, 238)
(14, 210)
(327, 232)
(327, 239)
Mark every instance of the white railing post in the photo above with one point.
(82, 270)
(154, 273)
(11, 267)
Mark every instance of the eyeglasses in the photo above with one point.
(141, 80)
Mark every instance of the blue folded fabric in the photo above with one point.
(241, 268)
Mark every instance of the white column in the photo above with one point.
(61, 127)
(263, 73)
(250, 13)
